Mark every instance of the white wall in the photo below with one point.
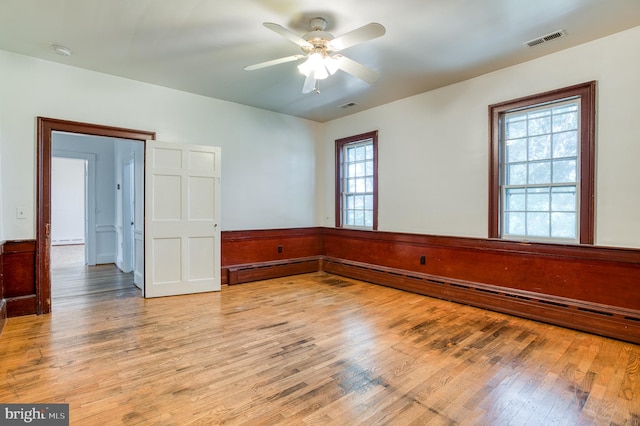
(268, 162)
(67, 200)
(433, 147)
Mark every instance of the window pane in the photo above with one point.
(359, 202)
(351, 185)
(359, 169)
(546, 112)
(566, 108)
(350, 201)
(516, 127)
(565, 144)
(351, 170)
(360, 186)
(368, 202)
(539, 172)
(368, 218)
(539, 126)
(516, 150)
(516, 174)
(514, 223)
(540, 148)
(564, 171)
(563, 198)
(351, 154)
(369, 151)
(538, 199)
(515, 199)
(368, 184)
(563, 225)
(350, 217)
(369, 168)
(358, 218)
(568, 121)
(360, 153)
(538, 224)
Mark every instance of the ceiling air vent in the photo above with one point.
(545, 38)
(348, 105)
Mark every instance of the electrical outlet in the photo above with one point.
(423, 260)
(279, 249)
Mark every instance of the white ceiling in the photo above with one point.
(202, 46)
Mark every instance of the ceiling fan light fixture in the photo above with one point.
(332, 64)
(320, 52)
(314, 65)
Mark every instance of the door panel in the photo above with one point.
(182, 233)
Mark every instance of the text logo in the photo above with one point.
(34, 414)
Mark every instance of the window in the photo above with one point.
(542, 167)
(357, 181)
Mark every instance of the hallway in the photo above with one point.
(72, 280)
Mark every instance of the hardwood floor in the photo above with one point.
(312, 349)
(72, 282)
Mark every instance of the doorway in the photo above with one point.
(128, 216)
(46, 128)
(68, 201)
(68, 213)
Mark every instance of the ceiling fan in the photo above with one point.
(320, 50)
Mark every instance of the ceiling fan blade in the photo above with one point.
(359, 35)
(287, 34)
(309, 84)
(273, 62)
(356, 69)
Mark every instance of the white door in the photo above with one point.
(182, 232)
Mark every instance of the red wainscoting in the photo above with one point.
(589, 288)
(19, 279)
(609, 276)
(3, 303)
(261, 254)
(594, 289)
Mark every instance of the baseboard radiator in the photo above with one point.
(609, 321)
(238, 274)
(623, 324)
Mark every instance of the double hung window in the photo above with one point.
(356, 181)
(542, 167)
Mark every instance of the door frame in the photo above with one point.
(45, 128)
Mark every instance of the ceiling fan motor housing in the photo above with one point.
(318, 24)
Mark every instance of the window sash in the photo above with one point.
(523, 130)
(554, 212)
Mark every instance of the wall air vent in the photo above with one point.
(348, 105)
(545, 38)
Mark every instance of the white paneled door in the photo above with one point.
(182, 213)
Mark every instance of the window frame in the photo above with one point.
(339, 146)
(586, 92)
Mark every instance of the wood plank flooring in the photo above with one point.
(74, 283)
(315, 349)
